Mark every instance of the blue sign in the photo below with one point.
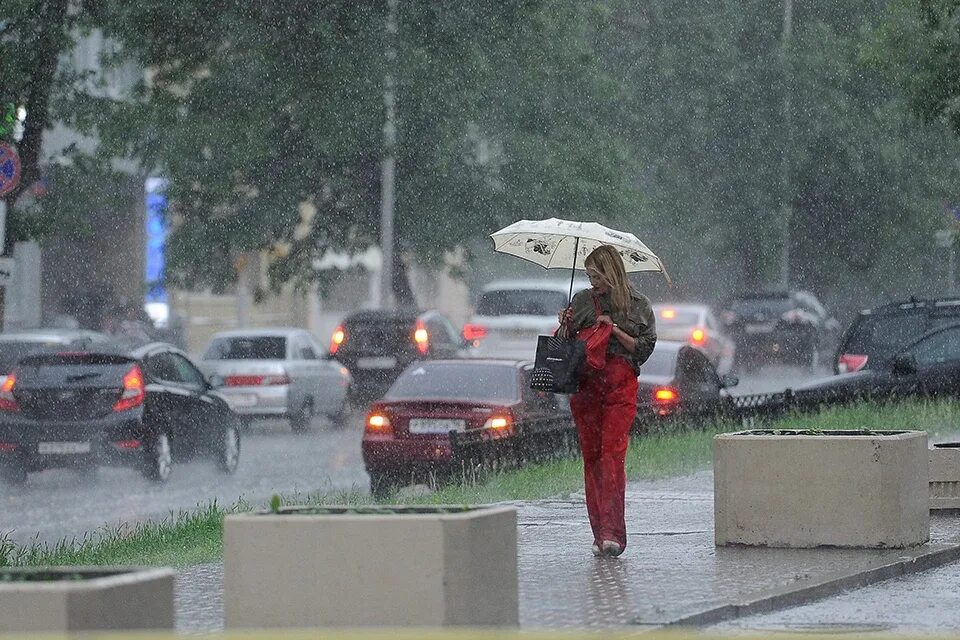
(9, 168)
(156, 238)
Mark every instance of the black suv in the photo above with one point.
(376, 346)
(877, 334)
(785, 327)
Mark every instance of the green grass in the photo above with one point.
(197, 536)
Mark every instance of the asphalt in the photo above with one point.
(670, 575)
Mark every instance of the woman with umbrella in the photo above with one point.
(606, 404)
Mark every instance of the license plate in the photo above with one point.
(759, 328)
(376, 363)
(434, 425)
(247, 400)
(63, 447)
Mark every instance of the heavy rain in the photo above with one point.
(541, 259)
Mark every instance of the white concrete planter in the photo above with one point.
(945, 477)
(68, 599)
(375, 566)
(827, 488)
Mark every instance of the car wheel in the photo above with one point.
(300, 421)
(338, 415)
(14, 474)
(158, 458)
(228, 457)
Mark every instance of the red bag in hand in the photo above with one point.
(596, 339)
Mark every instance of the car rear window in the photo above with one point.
(89, 369)
(880, 336)
(524, 302)
(380, 335)
(660, 363)
(677, 317)
(765, 305)
(455, 381)
(11, 351)
(247, 348)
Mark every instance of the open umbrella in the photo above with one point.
(564, 244)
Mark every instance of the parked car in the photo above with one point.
(376, 346)
(696, 325)
(277, 373)
(19, 344)
(785, 327)
(929, 363)
(678, 378)
(144, 409)
(510, 314)
(407, 431)
(875, 335)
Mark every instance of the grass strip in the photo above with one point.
(196, 536)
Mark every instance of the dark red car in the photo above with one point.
(407, 432)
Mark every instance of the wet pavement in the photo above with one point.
(671, 572)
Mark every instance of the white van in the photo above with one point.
(510, 314)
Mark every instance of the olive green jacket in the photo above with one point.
(639, 322)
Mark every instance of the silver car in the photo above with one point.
(276, 373)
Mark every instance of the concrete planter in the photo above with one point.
(376, 566)
(68, 599)
(945, 476)
(821, 488)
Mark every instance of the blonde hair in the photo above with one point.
(608, 263)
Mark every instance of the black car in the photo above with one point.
(929, 364)
(875, 335)
(778, 327)
(143, 408)
(678, 378)
(376, 346)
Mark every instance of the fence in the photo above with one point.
(482, 451)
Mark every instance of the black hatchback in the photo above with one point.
(376, 346)
(143, 408)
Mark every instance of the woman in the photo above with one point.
(606, 404)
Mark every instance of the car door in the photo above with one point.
(313, 370)
(936, 358)
(186, 408)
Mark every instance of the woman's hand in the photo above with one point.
(604, 319)
(565, 315)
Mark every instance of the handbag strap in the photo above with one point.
(596, 306)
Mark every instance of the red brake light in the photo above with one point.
(421, 338)
(849, 362)
(337, 339)
(378, 422)
(698, 337)
(7, 401)
(664, 394)
(473, 332)
(257, 380)
(134, 390)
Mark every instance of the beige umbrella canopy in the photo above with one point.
(564, 244)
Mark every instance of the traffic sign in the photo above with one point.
(9, 168)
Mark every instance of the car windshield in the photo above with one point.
(526, 302)
(11, 351)
(764, 305)
(677, 317)
(660, 363)
(457, 381)
(247, 348)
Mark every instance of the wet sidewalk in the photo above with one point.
(671, 572)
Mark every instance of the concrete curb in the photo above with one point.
(804, 593)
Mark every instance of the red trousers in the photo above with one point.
(603, 411)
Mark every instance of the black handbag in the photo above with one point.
(558, 365)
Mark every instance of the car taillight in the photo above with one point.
(378, 423)
(663, 394)
(850, 362)
(668, 314)
(7, 447)
(498, 422)
(665, 400)
(474, 332)
(256, 381)
(421, 338)
(337, 339)
(698, 337)
(134, 390)
(7, 401)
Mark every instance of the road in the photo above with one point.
(59, 504)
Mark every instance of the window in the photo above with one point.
(187, 373)
(304, 348)
(247, 348)
(162, 367)
(529, 302)
(939, 348)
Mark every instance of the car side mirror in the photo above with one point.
(904, 364)
(215, 381)
(729, 380)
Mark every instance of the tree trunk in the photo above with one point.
(402, 291)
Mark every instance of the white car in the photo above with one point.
(279, 373)
(510, 314)
(696, 325)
